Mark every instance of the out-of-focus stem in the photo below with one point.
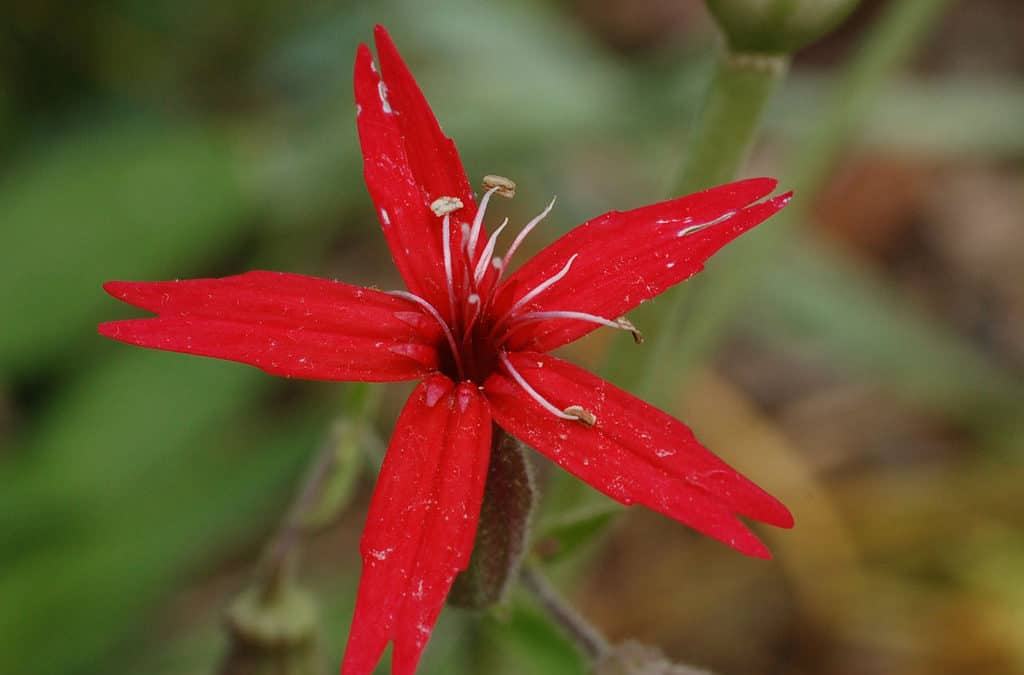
(274, 623)
(740, 90)
(583, 634)
(739, 93)
(713, 300)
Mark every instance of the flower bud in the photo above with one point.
(777, 26)
(272, 634)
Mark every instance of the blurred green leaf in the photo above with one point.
(949, 116)
(140, 486)
(523, 640)
(121, 202)
(565, 535)
(816, 299)
(348, 439)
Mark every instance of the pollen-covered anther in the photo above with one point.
(442, 206)
(626, 324)
(506, 187)
(582, 415)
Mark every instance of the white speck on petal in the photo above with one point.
(385, 218)
(382, 89)
(381, 554)
(664, 452)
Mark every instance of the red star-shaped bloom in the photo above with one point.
(479, 340)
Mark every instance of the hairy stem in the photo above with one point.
(583, 634)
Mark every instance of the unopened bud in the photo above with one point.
(272, 634)
(777, 26)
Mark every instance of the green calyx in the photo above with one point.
(501, 535)
(777, 26)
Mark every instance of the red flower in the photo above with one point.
(479, 340)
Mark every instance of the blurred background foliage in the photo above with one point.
(861, 357)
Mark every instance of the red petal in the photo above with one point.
(634, 453)
(625, 258)
(422, 521)
(286, 324)
(408, 163)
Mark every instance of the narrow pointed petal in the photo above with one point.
(286, 324)
(408, 163)
(633, 453)
(422, 522)
(432, 156)
(625, 258)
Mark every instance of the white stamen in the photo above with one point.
(442, 206)
(446, 247)
(544, 403)
(437, 315)
(506, 186)
(474, 302)
(533, 317)
(525, 231)
(382, 90)
(541, 287)
(621, 323)
(478, 221)
(485, 257)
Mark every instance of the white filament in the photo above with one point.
(541, 287)
(488, 253)
(437, 316)
(525, 231)
(533, 317)
(446, 246)
(544, 403)
(478, 221)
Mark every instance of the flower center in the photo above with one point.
(475, 337)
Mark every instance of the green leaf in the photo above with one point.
(523, 640)
(817, 300)
(141, 468)
(123, 202)
(560, 537)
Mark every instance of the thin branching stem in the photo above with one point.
(588, 638)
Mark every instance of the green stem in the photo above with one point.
(583, 634)
(740, 90)
(714, 300)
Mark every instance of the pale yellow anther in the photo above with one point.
(442, 206)
(582, 415)
(506, 187)
(626, 324)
